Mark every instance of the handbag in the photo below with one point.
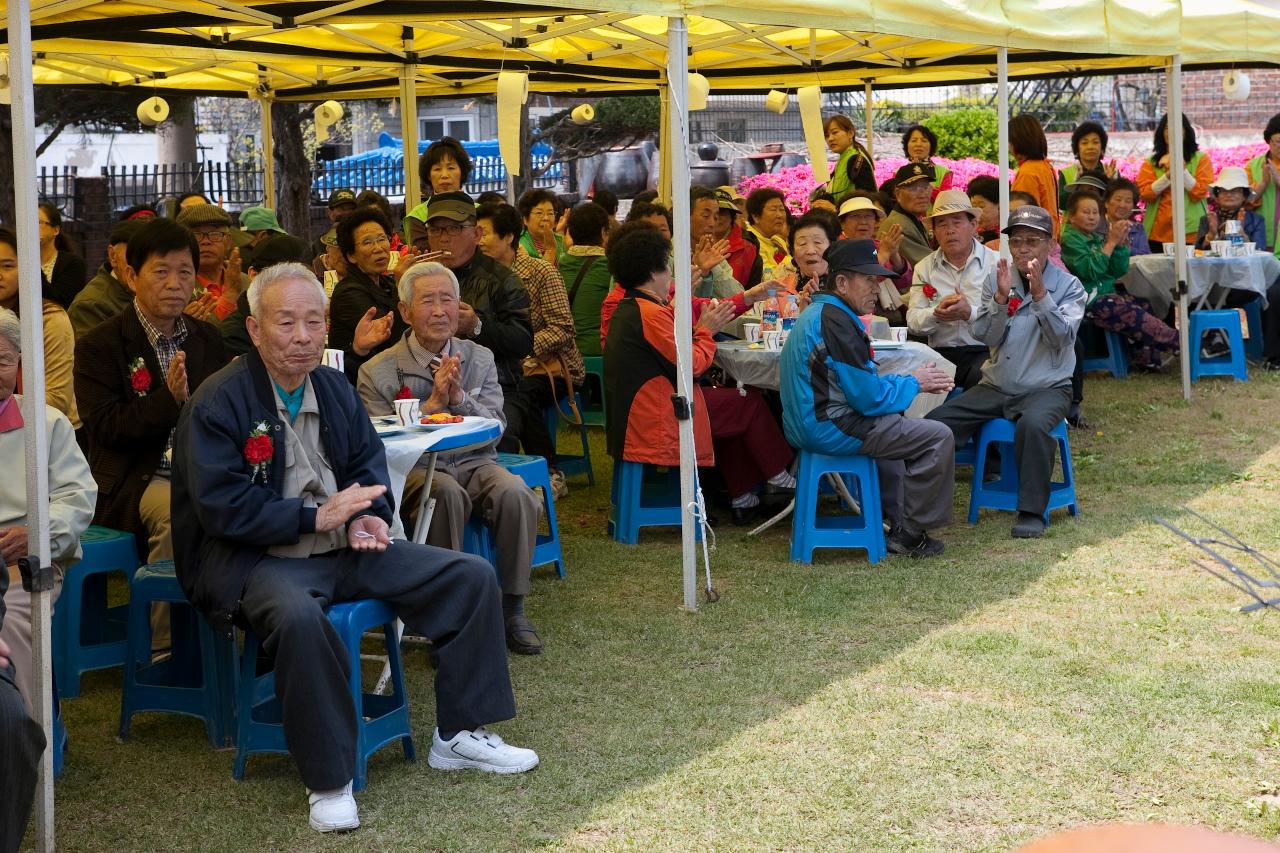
(554, 368)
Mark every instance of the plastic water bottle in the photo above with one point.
(769, 314)
(1235, 236)
(789, 312)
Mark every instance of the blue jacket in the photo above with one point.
(1253, 226)
(223, 519)
(831, 391)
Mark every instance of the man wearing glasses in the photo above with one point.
(219, 279)
(1029, 316)
(494, 311)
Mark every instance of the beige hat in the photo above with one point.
(953, 201)
(853, 205)
(1232, 178)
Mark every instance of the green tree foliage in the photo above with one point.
(966, 133)
(618, 122)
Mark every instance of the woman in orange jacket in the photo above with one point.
(1155, 182)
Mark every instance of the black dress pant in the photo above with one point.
(526, 409)
(968, 361)
(1270, 316)
(448, 597)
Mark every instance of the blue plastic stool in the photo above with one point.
(593, 385)
(380, 720)
(533, 470)
(1003, 492)
(1253, 315)
(569, 464)
(1115, 362)
(1231, 364)
(643, 497)
(194, 678)
(87, 634)
(810, 531)
(477, 540)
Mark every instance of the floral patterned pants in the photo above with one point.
(1151, 337)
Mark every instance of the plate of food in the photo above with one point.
(439, 420)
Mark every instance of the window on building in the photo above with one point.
(459, 127)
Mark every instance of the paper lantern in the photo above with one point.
(327, 115)
(153, 111)
(1235, 86)
(776, 102)
(513, 93)
(699, 87)
(583, 114)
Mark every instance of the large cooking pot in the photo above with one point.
(623, 172)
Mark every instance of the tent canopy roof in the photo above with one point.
(305, 49)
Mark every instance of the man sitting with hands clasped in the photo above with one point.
(835, 401)
(280, 508)
(1030, 322)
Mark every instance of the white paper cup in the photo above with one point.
(1220, 247)
(752, 332)
(332, 358)
(408, 411)
(773, 340)
(898, 333)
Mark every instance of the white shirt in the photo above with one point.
(934, 269)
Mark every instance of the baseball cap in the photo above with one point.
(724, 199)
(204, 214)
(330, 237)
(122, 232)
(1088, 182)
(952, 201)
(1030, 216)
(457, 206)
(259, 219)
(280, 249)
(853, 205)
(341, 196)
(856, 256)
(910, 173)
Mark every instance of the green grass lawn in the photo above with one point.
(976, 701)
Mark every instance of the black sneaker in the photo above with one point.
(902, 541)
(1271, 364)
(1028, 526)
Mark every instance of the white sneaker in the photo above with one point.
(333, 811)
(559, 488)
(479, 749)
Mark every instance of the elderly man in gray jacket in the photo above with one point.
(1029, 320)
(458, 377)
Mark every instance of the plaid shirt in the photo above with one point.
(550, 314)
(166, 348)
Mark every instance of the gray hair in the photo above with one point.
(281, 272)
(11, 329)
(424, 270)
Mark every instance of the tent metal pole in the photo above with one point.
(268, 154)
(866, 103)
(1178, 189)
(33, 384)
(1002, 154)
(409, 125)
(676, 144)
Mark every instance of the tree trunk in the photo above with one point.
(176, 144)
(524, 180)
(293, 171)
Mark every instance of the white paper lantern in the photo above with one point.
(699, 87)
(1235, 86)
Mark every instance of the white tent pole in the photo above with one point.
(409, 125)
(663, 184)
(677, 146)
(1002, 155)
(33, 412)
(866, 102)
(1177, 187)
(268, 153)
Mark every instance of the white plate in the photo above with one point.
(888, 344)
(385, 430)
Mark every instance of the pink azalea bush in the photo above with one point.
(797, 182)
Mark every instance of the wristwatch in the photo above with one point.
(475, 333)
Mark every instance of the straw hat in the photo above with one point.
(953, 201)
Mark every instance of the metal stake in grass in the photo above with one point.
(1232, 574)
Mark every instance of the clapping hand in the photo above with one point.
(890, 241)
(370, 332)
(1118, 233)
(1004, 281)
(232, 277)
(368, 533)
(446, 389)
(709, 253)
(466, 318)
(177, 378)
(1035, 281)
(715, 315)
(1211, 219)
(341, 506)
(953, 308)
(13, 545)
(932, 380)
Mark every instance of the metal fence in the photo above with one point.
(58, 185)
(229, 184)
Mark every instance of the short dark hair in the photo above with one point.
(637, 252)
(699, 193)
(929, 135)
(369, 198)
(985, 186)
(9, 238)
(587, 224)
(760, 197)
(1084, 129)
(280, 249)
(160, 237)
(1079, 197)
(505, 221)
(645, 209)
(1273, 127)
(491, 197)
(1024, 197)
(437, 151)
(645, 195)
(824, 219)
(607, 200)
(1026, 137)
(54, 215)
(1119, 184)
(347, 224)
(534, 197)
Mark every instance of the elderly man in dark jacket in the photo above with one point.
(280, 508)
(133, 375)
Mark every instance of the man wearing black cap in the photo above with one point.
(1029, 317)
(276, 249)
(106, 294)
(835, 401)
(494, 311)
(341, 202)
(912, 190)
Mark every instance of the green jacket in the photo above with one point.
(1083, 255)
(1268, 209)
(103, 297)
(585, 302)
(526, 242)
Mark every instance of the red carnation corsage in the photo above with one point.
(139, 377)
(404, 393)
(1014, 302)
(930, 292)
(259, 450)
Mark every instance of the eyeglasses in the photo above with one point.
(370, 242)
(1025, 242)
(210, 236)
(451, 230)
